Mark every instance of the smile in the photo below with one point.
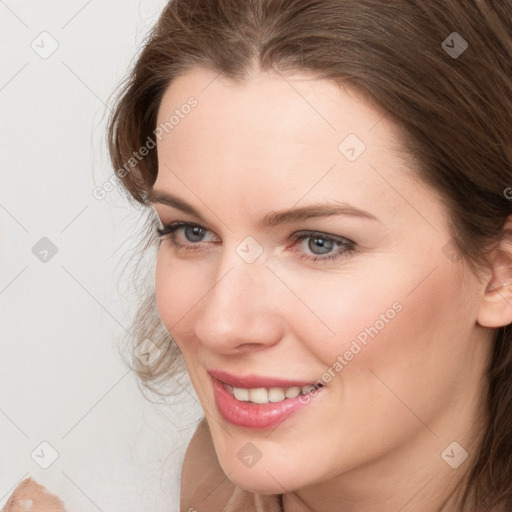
(258, 402)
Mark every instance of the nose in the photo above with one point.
(241, 310)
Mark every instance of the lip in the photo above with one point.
(258, 416)
(255, 381)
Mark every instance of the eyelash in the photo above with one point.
(347, 247)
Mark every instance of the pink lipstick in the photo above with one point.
(258, 415)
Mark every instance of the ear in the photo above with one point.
(496, 303)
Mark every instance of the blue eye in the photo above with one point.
(323, 247)
(194, 233)
(315, 247)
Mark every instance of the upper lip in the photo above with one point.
(256, 381)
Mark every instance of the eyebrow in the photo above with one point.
(272, 218)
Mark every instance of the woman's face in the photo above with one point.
(312, 256)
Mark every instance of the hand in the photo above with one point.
(29, 496)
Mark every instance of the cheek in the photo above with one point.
(379, 304)
(401, 328)
(395, 344)
(177, 291)
(342, 313)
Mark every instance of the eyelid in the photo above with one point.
(165, 224)
(171, 227)
(305, 233)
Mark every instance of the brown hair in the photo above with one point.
(453, 102)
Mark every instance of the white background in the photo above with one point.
(63, 320)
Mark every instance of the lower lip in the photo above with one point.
(257, 416)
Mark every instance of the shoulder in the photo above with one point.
(29, 495)
(203, 483)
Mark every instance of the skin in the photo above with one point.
(29, 496)
(271, 144)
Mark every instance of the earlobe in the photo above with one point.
(496, 303)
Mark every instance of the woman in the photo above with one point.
(329, 188)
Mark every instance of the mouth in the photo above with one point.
(260, 402)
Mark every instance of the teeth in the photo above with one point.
(264, 395)
(292, 392)
(276, 395)
(241, 394)
(258, 395)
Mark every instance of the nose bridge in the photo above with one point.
(241, 272)
(234, 285)
(239, 309)
(239, 286)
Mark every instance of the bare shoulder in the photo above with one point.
(203, 483)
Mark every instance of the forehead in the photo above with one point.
(311, 106)
(291, 137)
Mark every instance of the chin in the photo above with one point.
(265, 486)
(263, 480)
